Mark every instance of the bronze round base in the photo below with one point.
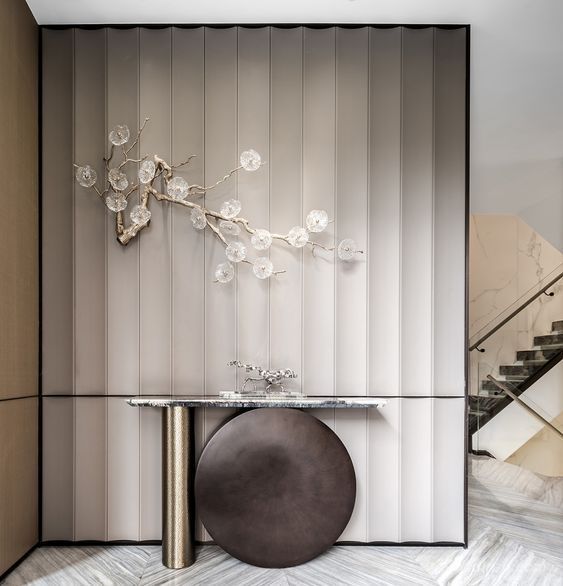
(275, 487)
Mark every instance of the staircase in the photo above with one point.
(530, 365)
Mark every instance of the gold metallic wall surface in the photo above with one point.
(19, 281)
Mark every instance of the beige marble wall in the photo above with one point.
(508, 259)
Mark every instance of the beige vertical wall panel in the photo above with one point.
(57, 212)
(449, 212)
(90, 467)
(352, 64)
(384, 253)
(416, 458)
(319, 151)
(188, 254)
(122, 262)
(122, 470)
(285, 167)
(150, 474)
(155, 252)
(384, 472)
(448, 459)
(58, 469)
(417, 219)
(253, 325)
(89, 215)
(18, 479)
(220, 156)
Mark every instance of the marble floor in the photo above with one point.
(515, 534)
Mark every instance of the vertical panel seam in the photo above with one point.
(237, 140)
(335, 272)
(139, 382)
(269, 311)
(73, 289)
(400, 301)
(301, 267)
(367, 247)
(106, 298)
(171, 216)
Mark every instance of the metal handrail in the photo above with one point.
(518, 400)
(476, 345)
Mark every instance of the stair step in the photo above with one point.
(557, 326)
(489, 385)
(551, 340)
(516, 371)
(535, 364)
(477, 413)
(490, 394)
(535, 355)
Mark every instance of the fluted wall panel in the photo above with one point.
(367, 123)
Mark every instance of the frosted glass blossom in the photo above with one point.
(147, 171)
(250, 160)
(231, 208)
(263, 267)
(198, 219)
(86, 176)
(347, 249)
(140, 215)
(298, 237)
(261, 239)
(118, 179)
(236, 251)
(177, 188)
(116, 202)
(317, 220)
(224, 272)
(119, 134)
(229, 228)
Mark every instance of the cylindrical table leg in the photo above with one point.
(177, 513)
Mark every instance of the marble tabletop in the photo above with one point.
(249, 402)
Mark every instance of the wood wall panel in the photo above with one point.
(417, 211)
(57, 345)
(344, 119)
(89, 215)
(122, 262)
(18, 479)
(319, 168)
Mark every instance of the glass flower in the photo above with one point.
(224, 272)
(147, 171)
(236, 251)
(199, 221)
(250, 160)
(116, 202)
(119, 134)
(86, 176)
(347, 249)
(231, 208)
(229, 228)
(177, 188)
(298, 236)
(118, 179)
(317, 220)
(140, 215)
(261, 239)
(263, 267)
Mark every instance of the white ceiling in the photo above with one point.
(250, 11)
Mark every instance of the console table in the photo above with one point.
(177, 441)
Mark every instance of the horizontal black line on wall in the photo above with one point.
(167, 396)
(254, 25)
(3, 399)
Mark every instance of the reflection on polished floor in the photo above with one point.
(515, 534)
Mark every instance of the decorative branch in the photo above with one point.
(226, 224)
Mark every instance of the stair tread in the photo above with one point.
(549, 340)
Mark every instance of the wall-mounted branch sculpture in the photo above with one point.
(225, 224)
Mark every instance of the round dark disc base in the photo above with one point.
(275, 487)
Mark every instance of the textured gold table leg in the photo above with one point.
(177, 513)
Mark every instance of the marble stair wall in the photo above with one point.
(367, 123)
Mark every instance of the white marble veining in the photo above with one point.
(249, 402)
(515, 538)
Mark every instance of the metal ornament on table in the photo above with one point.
(272, 378)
